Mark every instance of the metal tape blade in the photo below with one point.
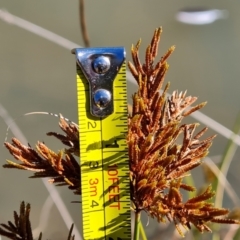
(104, 160)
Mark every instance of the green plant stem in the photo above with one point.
(226, 161)
(137, 226)
(190, 181)
(142, 231)
(224, 167)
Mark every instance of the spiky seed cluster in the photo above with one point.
(21, 228)
(61, 168)
(158, 163)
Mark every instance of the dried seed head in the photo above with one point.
(158, 160)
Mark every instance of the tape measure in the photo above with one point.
(102, 114)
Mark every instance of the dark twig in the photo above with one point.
(70, 236)
(21, 228)
(83, 24)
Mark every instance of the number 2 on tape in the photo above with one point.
(102, 114)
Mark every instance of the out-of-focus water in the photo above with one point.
(38, 75)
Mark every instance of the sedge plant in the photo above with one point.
(162, 152)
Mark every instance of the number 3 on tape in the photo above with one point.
(102, 114)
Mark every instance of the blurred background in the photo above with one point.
(37, 74)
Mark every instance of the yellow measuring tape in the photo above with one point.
(102, 110)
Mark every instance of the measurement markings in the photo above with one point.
(121, 112)
(90, 131)
(121, 82)
(82, 89)
(113, 151)
(99, 210)
(104, 200)
(120, 99)
(122, 176)
(122, 125)
(125, 107)
(97, 170)
(124, 133)
(83, 180)
(83, 108)
(124, 120)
